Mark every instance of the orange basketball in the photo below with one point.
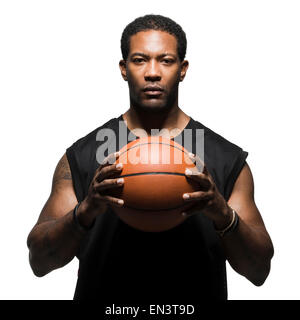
(154, 182)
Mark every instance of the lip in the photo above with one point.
(153, 88)
(153, 92)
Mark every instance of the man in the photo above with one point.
(120, 264)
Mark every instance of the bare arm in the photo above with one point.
(248, 248)
(55, 240)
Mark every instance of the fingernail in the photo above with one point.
(186, 196)
(188, 172)
(120, 180)
(120, 202)
(119, 166)
(116, 154)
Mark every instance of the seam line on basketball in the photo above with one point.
(150, 173)
(141, 144)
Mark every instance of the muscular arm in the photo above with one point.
(54, 240)
(249, 248)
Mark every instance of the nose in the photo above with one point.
(152, 71)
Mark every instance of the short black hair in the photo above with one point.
(154, 22)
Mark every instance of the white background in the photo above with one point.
(59, 80)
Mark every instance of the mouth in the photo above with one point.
(153, 90)
(153, 93)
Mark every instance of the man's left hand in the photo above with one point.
(207, 199)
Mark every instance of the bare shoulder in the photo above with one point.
(62, 173)
(245, 182)
(242, 198)
(62, 198)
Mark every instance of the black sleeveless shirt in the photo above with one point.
(119, 264)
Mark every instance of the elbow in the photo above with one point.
(35, 267)
(38, 273)
(35, 259)
(259, 281)
(261, 274)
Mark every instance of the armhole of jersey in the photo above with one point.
(75, 174)
(234, 173)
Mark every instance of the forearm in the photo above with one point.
(53, 244)
(249, 251)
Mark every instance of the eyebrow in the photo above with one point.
(147, 56)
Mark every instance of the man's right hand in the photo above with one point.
(98, 198)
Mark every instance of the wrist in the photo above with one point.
(224, 218)
(230, 226)
(85, 216)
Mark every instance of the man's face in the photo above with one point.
(153, 70)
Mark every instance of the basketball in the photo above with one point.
(154, 182)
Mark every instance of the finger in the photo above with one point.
(110, 159)
(108, 171)
(108, 184)
(199, 177)
(198, 196)
(197, 161)
(112, 200)
(113, 168)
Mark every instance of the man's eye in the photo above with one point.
(138, 60)
(167, 61)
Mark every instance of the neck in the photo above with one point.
(173, 120)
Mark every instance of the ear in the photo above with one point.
(184, 67)
(122, 66)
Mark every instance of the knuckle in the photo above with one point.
(211, 194)
(95, 187)
(202, 195)
(212, 189)
(111, 160)
(97, 178)
(107, 182)
(209, 203)
(97, 197)
(105, 199)
(104, 161)
(103, 170)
